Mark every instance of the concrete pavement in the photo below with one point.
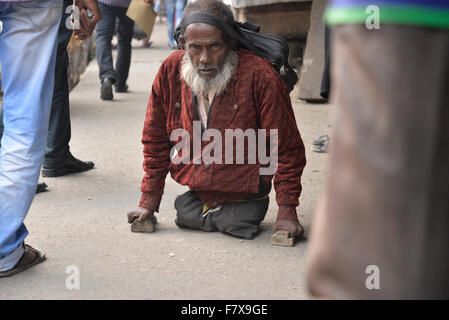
(81, 221)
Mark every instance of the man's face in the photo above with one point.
(206, 48)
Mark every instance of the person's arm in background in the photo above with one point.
(87, 24)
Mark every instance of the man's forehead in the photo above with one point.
(203, 32)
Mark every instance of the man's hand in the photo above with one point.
(143, 220)
(293, 226)
(141, 214)
(87, 24)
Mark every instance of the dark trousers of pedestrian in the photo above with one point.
(59, 132)
(105, 31)
(59, 129)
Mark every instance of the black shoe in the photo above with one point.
(121, 88)
(41, 187)
(71, 165)
(106, 89)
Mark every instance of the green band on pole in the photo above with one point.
(411, 15)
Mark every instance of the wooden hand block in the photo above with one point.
(282, 238)
(146, 226)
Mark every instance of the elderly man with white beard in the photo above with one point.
(210, 88)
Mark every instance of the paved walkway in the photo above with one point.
(81, 220)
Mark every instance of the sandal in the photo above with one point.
(320, 141)
(147, 44)
(322, 149)
(30, 258)
(41, 187)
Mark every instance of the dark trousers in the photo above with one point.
(240, 219)
(105, 31)
(59, 131)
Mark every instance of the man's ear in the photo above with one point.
(233, 44)
(182, 41)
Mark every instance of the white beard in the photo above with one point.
(200, 86)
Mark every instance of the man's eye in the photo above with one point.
(194, 46)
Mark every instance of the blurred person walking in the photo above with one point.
(112, 10)
(58, 159)
(381, 231)
(28, 45)
(174, 8)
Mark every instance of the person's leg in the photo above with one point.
(386, 202)
(189, 213)
(179, 4)
(104, 33)
(1, 100)
(325, 79)
(41, 186)
(124, 36)
(163, 7)
(58, 158)
(27, 54)
(1, 122)
(170, 7)
(59, 129)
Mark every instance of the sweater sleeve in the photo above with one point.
(276, 112)
(156, 146)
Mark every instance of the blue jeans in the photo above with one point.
(157, 5)
(59, 129)
(173, 7)
(27, 55)
(105, 31)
